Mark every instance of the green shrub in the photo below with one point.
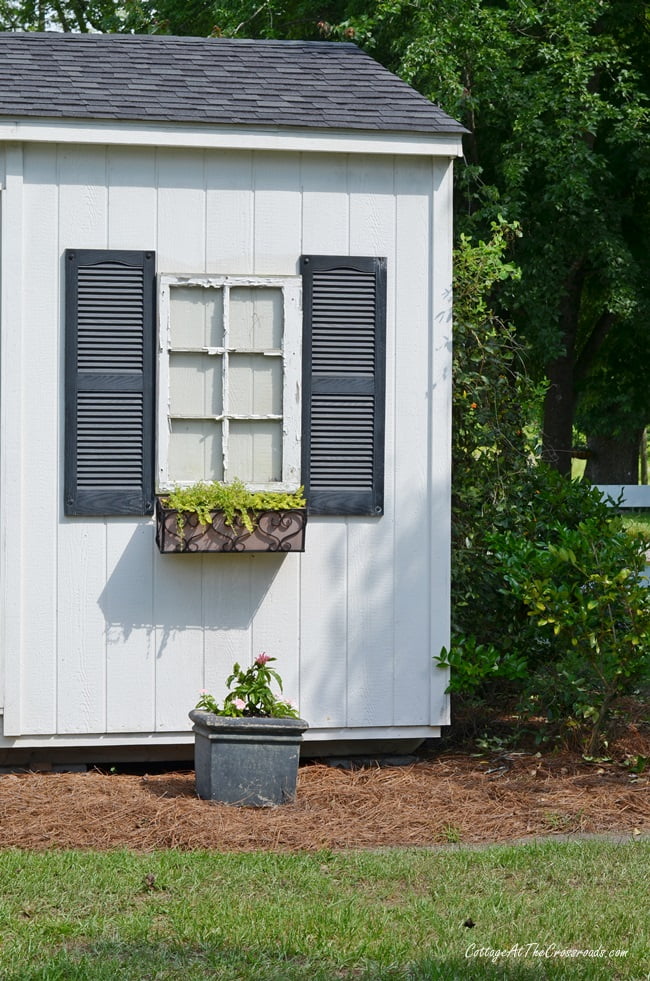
(584, 590)
(492, 449)
(561, 606)
(548, 603)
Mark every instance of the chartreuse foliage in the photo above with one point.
(234, 499)
(390, 916)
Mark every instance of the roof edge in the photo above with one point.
(122, 132)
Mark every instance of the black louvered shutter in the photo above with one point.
(344, 353)
(110, 348)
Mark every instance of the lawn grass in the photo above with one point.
(637, 521)
(393, 915)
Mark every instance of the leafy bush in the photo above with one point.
(548, 600)
(561, 607)
(583, 589)
(492, 449)
(492, 395)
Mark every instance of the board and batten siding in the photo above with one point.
(104, 637)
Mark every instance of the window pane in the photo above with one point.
(196, 316)
(255, 385)
(256, 315)
(255, 451)
(195, 451)
(195, 384)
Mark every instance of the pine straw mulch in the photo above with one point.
(439, 799)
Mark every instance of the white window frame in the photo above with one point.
(290, 354)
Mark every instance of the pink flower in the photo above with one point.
(239, 703)
(261, 659)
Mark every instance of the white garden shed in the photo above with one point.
(220, 258)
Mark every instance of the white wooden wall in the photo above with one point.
(100, 633)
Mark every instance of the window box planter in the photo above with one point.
(274, 531)
(247, 761)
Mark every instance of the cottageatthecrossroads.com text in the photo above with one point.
(542, 951)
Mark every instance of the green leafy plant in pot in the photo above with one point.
(252, 694)
(247, 750)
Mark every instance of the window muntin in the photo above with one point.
(229, 380)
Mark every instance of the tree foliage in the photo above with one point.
(290, 19)
(555, 97)
(492, 393)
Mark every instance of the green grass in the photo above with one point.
(637, 521)
(382, 915)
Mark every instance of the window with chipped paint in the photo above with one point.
(229, 380)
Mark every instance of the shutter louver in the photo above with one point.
(344, 303)
(110, 346)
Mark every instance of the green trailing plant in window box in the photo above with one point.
(247, 750)
(215, 517)
(234, 499)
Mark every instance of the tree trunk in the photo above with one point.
(559, 407)
(614, 459)
(559, 404)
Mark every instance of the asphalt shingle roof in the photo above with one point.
(317, 84)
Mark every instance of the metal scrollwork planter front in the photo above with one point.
(273, 531)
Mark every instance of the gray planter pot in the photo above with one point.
(250, 761)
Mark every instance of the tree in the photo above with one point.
(555, 98)
(79, 16)
(204, 18)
